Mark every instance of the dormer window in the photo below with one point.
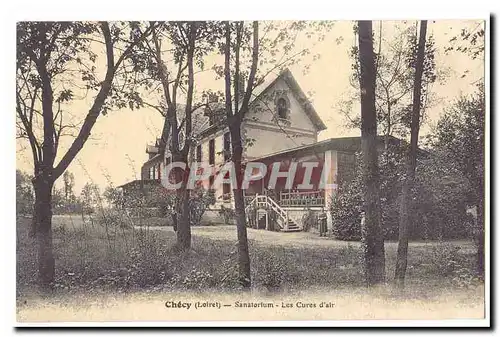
(282, 108)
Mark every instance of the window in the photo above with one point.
(211, 181)
(198, 153)
(211, 151)
(227, 146)
(168, 160)
(282, 107)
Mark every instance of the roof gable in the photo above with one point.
(202, 127)
(298, 93)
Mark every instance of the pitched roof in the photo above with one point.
(343, 144)
(201, 120)
(140, 183)
(299, 94)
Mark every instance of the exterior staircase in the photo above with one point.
(264, 204)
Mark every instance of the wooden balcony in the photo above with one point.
(302, 199)
(296, 199)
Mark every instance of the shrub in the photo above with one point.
(227, 214)
(200, 200)
(447, 261)
(346, 215)
(24, 194)
(271, 272)
(438, 201)
(113, 218)
(194, 280)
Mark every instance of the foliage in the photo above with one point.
(460, 139)
(155, 200)
(56, 65)
(194, 280)
(271, 273)
(133, 259)
(113, 219)
(439, 200)
(69, 184)
(470, 41)
(24, 193)
(447, 261)
(91, 198)
(113, 196)
(200, 199)
(51, 53)
(345, 209)
(64, 200)
(228, 214)
(60, 203)
(395, 62)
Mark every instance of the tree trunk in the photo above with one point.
(239, 205)
(480, 239)
(42, 222)
(372, 237)
(234, 122)
(183, 222)
(406, 198)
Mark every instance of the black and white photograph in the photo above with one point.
(265, 171)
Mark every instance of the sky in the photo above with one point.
(116, 150)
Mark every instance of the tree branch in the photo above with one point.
(253, 70)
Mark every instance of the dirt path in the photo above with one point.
(295, 239)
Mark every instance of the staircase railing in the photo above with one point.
(266, 201)
(280, 211)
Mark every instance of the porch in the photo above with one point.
(293, 198)
(286, 214)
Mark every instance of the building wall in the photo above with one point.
(152, 169)
(330, 157)
(264, 110)
(270, 139)
(270, 134)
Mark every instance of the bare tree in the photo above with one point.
(186, 43)
(372, 238)
(55, 63)
(394, 87)
(234, 120)
(253, 51)
(408, 182)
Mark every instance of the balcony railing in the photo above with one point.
(302, 199)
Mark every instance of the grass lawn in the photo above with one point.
(99, 268)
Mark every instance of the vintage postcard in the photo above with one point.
(234, 173)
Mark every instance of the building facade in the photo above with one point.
(282, 127)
